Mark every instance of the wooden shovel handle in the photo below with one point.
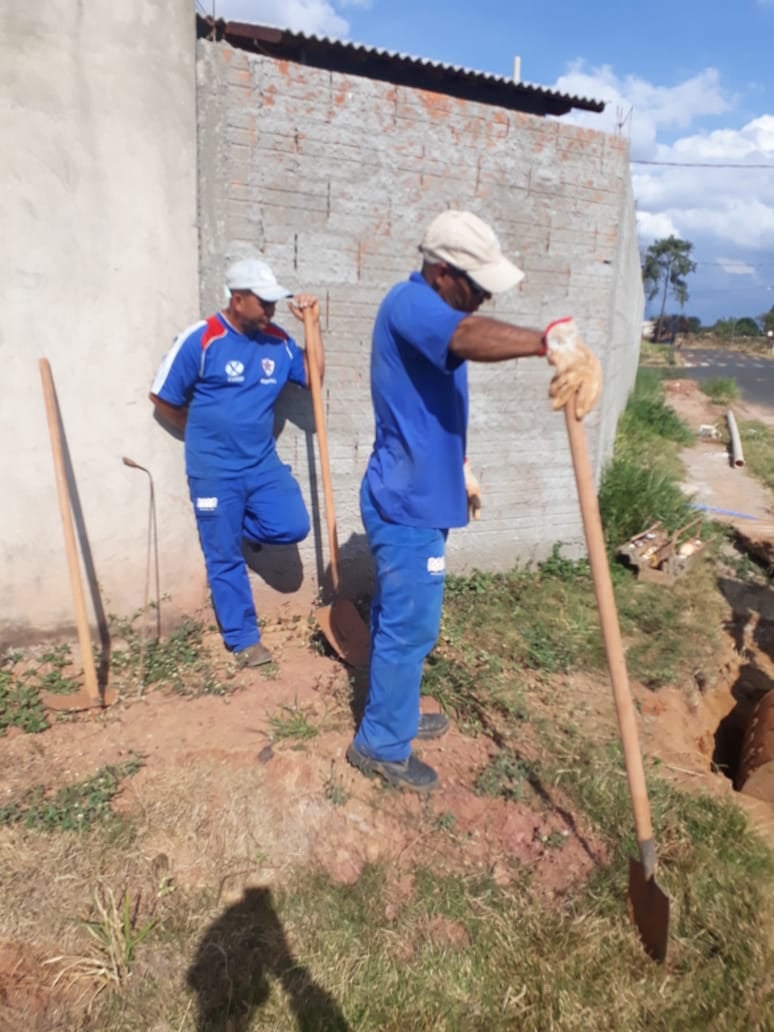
(608, 616)
(65, 511)
(311, 340)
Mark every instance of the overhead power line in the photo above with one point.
(700, 164)
(738, 268)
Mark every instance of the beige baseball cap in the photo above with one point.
(465, 241)
(256, 276)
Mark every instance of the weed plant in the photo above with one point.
(178, 661)
(293, 722)
(721, 389)
(20, 704)
(641, 485)
(23, 677)
(75, 807)
(758, 446)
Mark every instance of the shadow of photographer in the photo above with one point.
(238, 955)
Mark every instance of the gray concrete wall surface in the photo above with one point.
(99, 270)
(333, 178)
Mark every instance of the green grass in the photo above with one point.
(758, 447)
(51, 677)
(721, 389)
(23, 676)
(177, 661)
(641, 484)
(658, 355)
(648, 420)
(20, 704)
(460, 952)
(74, 807)
(544, 621)
(293, 722)
(507, 775)
(632, 497)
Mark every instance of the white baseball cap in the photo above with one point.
(256, 276)
(463, 240)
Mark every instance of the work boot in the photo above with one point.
(410, 773)
(253, 655)
(432, 725)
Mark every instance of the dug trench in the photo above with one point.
(722, 723)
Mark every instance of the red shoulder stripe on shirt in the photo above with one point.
(272, 330)
(215, 329)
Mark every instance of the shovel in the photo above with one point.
(648, 903)
(340, 622)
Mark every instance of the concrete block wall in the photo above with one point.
(99, 269)
(333, 178)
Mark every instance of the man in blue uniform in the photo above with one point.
(218, 384)
(417, 484)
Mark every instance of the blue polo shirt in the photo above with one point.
(230, 384)
(420, 397)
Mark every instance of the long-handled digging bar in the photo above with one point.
(648, 903)
(340, 622)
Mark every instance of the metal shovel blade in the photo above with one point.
(649, 910)
(77, 701)
(345, 631)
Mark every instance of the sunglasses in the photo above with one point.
(473, 287)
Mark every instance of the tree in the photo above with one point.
(668, 262)
(746, 327)
(767, 321)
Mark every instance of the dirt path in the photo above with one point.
(710, 476)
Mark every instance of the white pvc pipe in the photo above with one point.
(737, 458)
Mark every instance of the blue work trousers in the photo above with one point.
(405, 620)
(263, 505)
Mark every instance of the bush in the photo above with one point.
(641, 484)
(721, 389)
(632, 497)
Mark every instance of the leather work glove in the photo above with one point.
(473, 491)
(578, 372)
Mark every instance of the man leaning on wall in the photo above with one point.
(218, 385)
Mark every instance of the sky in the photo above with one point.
(689, 82)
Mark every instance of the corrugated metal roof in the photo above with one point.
(400, 69)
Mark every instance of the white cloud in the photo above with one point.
(726, 212)
(723, 205)
(316, 17)
(745, 223)
(753, 142)
(654, 226)
(639, 108)
(735, 267)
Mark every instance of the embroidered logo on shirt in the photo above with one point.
(268, 365)
(234, 371)
(436, 564)
(206, 504)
